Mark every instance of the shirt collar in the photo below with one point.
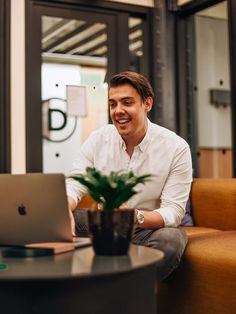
(122, 143)
(143, 145)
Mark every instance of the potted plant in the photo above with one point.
(110, 226)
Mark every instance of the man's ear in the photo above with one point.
(148, 103)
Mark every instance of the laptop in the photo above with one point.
(33, 209)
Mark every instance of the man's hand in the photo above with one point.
(125, 206)
(71, 207)
(152, 219)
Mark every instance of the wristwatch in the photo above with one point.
(140, 217)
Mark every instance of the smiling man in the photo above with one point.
(128, 111)
(134, 143)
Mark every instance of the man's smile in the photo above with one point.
(122, 121)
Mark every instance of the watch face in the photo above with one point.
(140, 218)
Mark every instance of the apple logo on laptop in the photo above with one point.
(22, 210)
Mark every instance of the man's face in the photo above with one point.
(128, 112)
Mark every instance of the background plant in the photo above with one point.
(112, 190)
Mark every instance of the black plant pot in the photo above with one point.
(111, 231)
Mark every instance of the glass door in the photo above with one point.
(71, 56)
(72, 51)
(73, 84)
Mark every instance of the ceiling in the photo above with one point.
(219, 11)
(79, 38)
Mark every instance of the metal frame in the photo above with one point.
(186, 85)
(191, 7)
(157, 78)
(98, 4)
(5, 142)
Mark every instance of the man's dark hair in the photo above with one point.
(138, 81)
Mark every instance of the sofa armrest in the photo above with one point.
(214, 203)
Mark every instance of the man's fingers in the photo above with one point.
(123, 206)
(72, 222)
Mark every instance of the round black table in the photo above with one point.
(80, 282)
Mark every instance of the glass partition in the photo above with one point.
(74, 91)
(213, 92)
(136, 44)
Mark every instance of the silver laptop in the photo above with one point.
(33, 209)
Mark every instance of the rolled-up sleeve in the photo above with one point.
(85, 159)
(176, 190)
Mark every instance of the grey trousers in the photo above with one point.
(171, 241)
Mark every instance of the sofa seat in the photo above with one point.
(206, 276)
(196, 231)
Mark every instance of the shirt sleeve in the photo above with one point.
(85, 159)
(176, 190)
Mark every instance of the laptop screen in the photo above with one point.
(33, 209)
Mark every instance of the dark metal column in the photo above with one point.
(163, 66)
(186, 85)
(5, 147)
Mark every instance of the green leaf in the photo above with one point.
(112, 190)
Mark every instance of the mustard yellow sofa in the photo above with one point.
(205, 281)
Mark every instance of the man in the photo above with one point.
(134, 143)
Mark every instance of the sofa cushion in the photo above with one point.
(205, 281)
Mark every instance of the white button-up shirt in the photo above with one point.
(161, 153)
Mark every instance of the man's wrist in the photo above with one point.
(139, 217)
